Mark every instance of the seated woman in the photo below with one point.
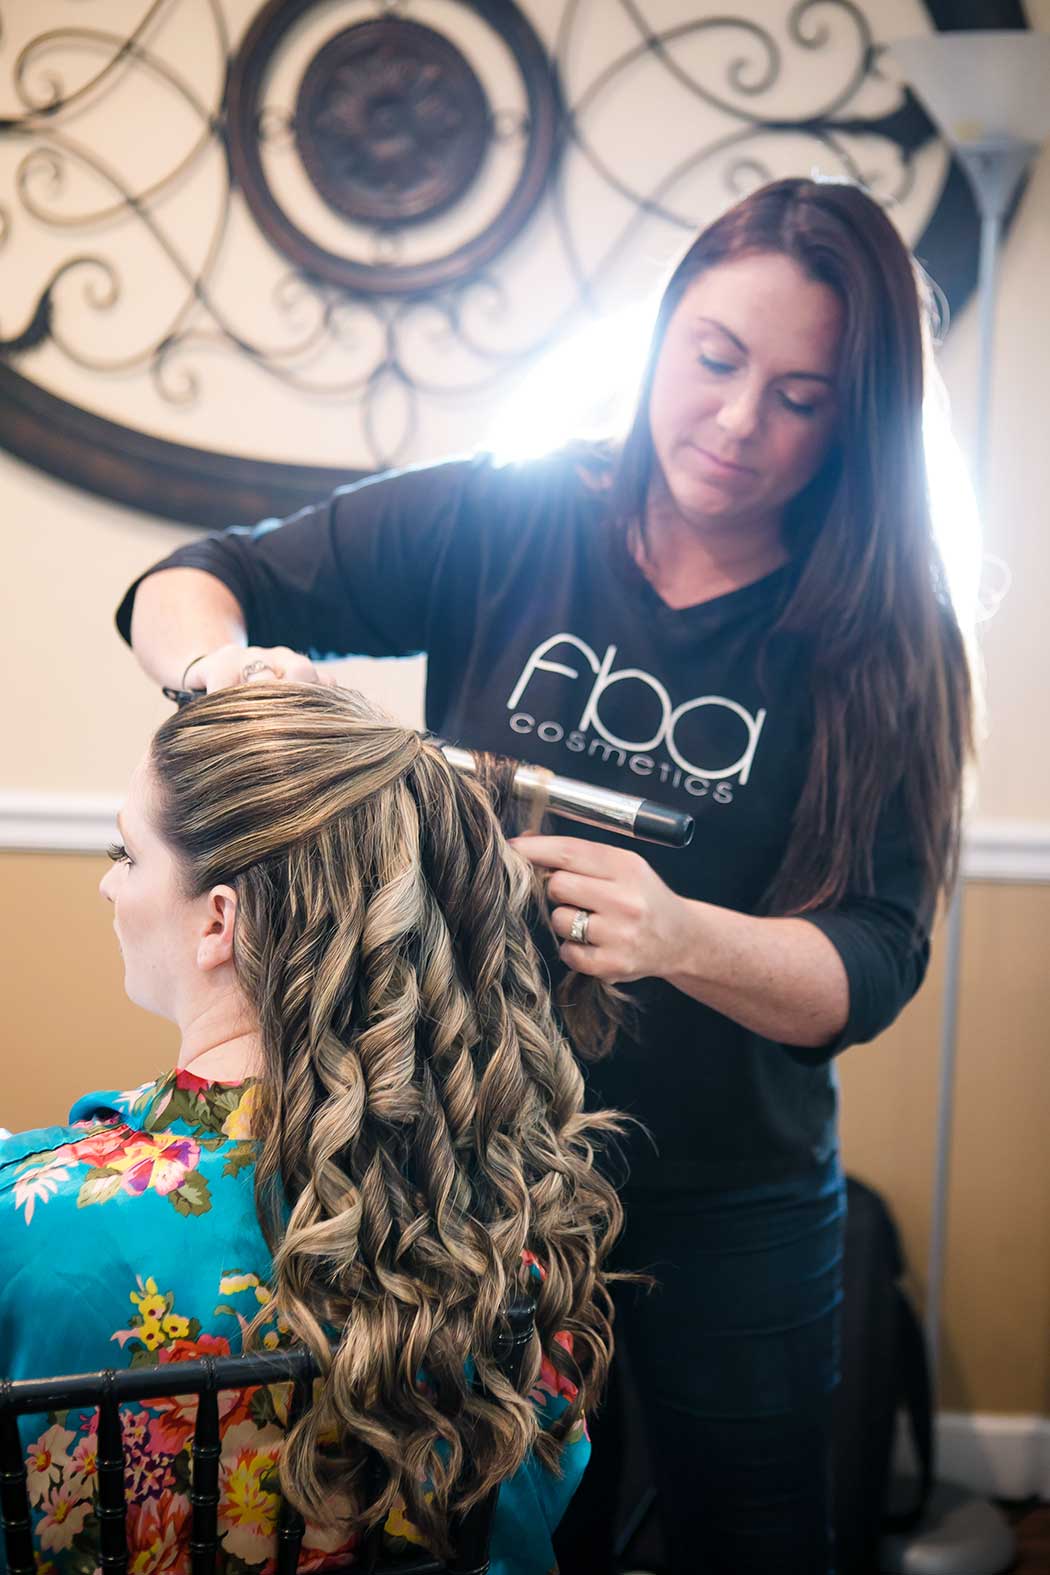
(373, 1139)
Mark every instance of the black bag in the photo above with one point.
(884, 1370)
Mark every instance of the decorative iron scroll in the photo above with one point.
(393, 128)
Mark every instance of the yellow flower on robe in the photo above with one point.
(150, 1303)
(238, 1123)
(230, 1284)
(154, 1162)
(151, 1333)
(399, 1525)
(248, 1498)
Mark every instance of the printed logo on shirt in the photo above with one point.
(710, 739)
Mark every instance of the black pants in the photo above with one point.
(734, 1361)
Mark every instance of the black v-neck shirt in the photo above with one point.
(545, 642)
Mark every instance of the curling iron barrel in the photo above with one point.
(594, 806)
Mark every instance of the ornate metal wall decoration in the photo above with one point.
(393, 162)
(391, 123)
(392, 126)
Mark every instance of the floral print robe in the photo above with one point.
(131, 1236)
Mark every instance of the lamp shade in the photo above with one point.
(981, 86)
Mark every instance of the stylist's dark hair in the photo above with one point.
(891, 684)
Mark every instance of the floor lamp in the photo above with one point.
(989, 95)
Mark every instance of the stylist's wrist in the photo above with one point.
(690, 941)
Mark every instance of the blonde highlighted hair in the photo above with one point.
(422, 1124)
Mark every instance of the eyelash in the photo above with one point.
(118, 853)
(796, 408)
(793, 405)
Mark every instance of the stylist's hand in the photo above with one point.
(636, 927)
(239, 664)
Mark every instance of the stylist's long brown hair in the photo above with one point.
(891, 685)
(422, 1122)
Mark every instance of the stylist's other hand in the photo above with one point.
(252, 664)
(636, 926)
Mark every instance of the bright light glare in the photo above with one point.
(587, 386)
(954, 513)
(584, 387)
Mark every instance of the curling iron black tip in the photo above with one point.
(656, 823)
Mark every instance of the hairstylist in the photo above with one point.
(740, 611)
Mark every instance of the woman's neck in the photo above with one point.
(232, 1062)
(220, 1042)
(686, 564)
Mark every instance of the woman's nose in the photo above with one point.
(740, 417)
(104, 884)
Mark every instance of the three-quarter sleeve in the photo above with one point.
(351, 576)
(882, 937)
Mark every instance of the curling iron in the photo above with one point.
(640, 818)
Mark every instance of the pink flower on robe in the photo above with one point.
(191, 1082)
(550, 1382)
(160, 1162)
(158, 1535)
(97, 1149)
(84, 1463)
(46, 1461)
(64, 1515)
(175, 1416)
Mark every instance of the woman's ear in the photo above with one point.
(215, 945)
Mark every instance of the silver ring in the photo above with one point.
(580, 920)
(259, 667)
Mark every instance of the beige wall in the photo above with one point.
(68, 1027)
(996, 1335)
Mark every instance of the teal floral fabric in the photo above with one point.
(130, 1237)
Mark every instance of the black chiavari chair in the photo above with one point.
(207, 1378)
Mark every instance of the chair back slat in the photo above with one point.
(372, 1541)
(290, 1524)
(79, 1390)
(111, 1505)
(15, 1514)
(521, 1325)
(472, 1533)
(204, 1483)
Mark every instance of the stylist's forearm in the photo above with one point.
(180, 614)
(781, 978)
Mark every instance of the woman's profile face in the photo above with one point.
(743, 407)
(156, 925)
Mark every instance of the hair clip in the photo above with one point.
(181, 697)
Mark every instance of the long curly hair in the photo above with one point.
(422, 1126)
